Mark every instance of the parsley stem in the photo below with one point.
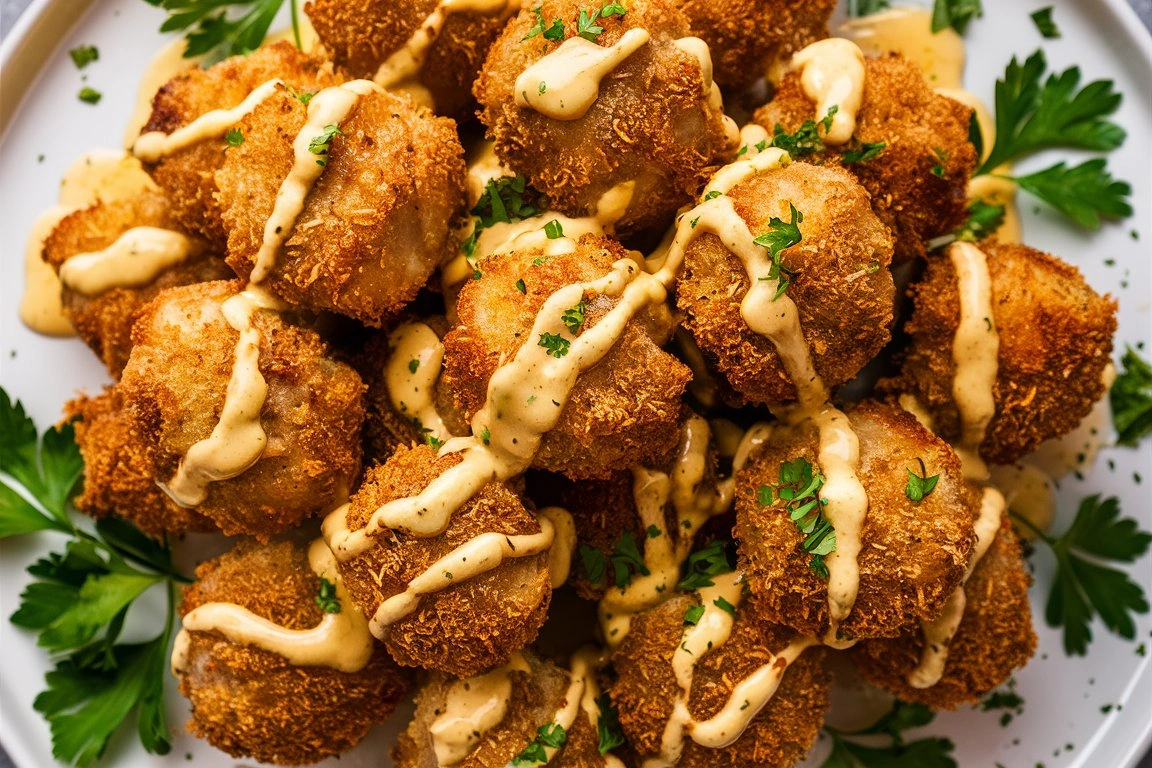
(295, 23)
(1051, 542)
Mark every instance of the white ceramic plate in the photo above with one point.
(1063, 723)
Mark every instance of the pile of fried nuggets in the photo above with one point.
(362, 260)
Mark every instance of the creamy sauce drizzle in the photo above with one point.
(975, 352)
(832, 75)
(238, 439)
(136, 258)
(938, 633)
(472, 707)
(412, 392)
(340, 641)
(165, 65)
(565, 83)
(478, 555)
(153, 146)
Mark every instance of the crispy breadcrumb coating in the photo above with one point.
(842, 289)
(622, 411)
(174, 387)
(919, 181)
(652, 124)
(475, 624)
(253, 703)
(1055, 341)
(912, 555)
(105, 321)
(646, 689)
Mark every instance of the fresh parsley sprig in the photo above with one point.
(806, 140)
(983, 219)
(780, 236)
(799, 491)
(1131, 399)
(608, 729)
(1083, 193)
(548, 735)
(705, 563)
(626, 560)
(79, 599)
(922, 753)
(920, 485)
(505, 200)
(957, 14)
(221, 28)
(1084, 585)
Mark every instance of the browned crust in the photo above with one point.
(901, 110)
(912, 555)
(995, 636)
(1055, 341)
(472, 625)
(843, 291)
(249, 702)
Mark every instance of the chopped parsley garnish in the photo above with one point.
(920, 485)
(653, 531)
(320, 145)
(806, 140)
(78, 599)
(234, 137)
(725, 606)
(713, 560)
(712, 195)
(862, 151)
(486, 436)
(780, 236)
(431, 439)
(626, 561)
(693, 615)
(549, 735)
(89, 95)
(520, 286)
(553, 32)
(957, 14)
(983, 220)
(586, 26)
(83, 55)
(867, 7)
(896, 753)
(799, 491)
(217, 33)
(506, 199)
(413, 365)
(1084, 585)
(554, 344)
(301, 96)
(1131, 399)
(608, 724)
(1044, 23)
(573, 317)
(553, 229)
(326, 598)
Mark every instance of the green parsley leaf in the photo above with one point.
(653, 531)
(712, 195)
(320, 145)
(431, 439)
(234, 137)
(520, 286)
(1031, 117)
(573, 317)
(326, 597)
(924, 753)
(693, 615)
(586, 26)
(301, 96)
(862, 151)
(806, 140)
(725, 606)
(89, 95)
(213, 31)
(48, 468)
(957, 14)
(920, 485)
(703, 564)
(486, 436)
(1044, 23)
(1084, 585)
(780, 236)
(608, 724)
(799, 491)
(538, 27)
(941, 158)
(554, 344)
(413, 365)
(867, 7)
(1131, 399)
(550, 735)
(1084, 192)
(83, 55)
(554, 230)
(983, 219)
(625, 559)
(593, 562)
(505, 200)
(555, 31)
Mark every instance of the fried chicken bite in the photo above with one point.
(655, 124)
(373, 226)
(646, 690)
(622, 411)
(187, 177)
(841, 284)
(379, 38)
(104, 290)
(473, 623)
(1055, 341)
(255, 703)
(747, 36)
(912, 554)
(509, 706)
(118, 470)
(176, 388)
(994, 639)
(919, 181)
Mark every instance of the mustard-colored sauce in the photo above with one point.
(832, 75)
(135, 258)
